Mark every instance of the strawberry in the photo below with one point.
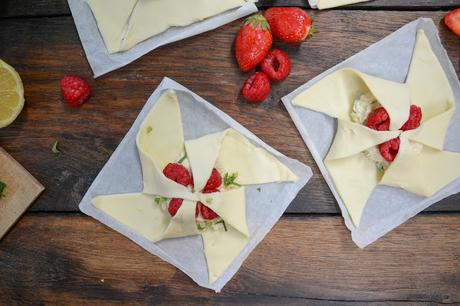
(289, 24)
(214, 182)
(206, 212)
(75, 90)
(276, 65)
(256, 88)
(452, 21)
(174, 206)
(253, 42)
(178, 173)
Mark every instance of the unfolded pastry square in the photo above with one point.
(194, 187)
(354, 161)
(125, 23)
(326, 4)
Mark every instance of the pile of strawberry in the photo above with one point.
(379, 120)
(254, 41)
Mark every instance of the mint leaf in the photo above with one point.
(55, 148)
(229, 179)
(2, 189)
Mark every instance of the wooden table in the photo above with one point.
(56, 255)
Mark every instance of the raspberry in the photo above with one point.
(213, 183)
(256, 88)
(178, 173)
(206, 212)
(378, 120)
(75, 90)
(276, 65)
(389, 149)
(415, 117)
(174, 206)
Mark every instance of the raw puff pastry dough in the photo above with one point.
(421, 166)
(125, 23)
(325, 4)
(160, 141)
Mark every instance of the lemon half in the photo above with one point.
(11, 94)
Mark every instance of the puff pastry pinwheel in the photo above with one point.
(125, 23)
(387, 133)
(193, 187)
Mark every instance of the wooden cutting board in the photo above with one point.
(21, 190)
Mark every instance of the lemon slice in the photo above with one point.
(11, 94)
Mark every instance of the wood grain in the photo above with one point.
(70, 259)
(24, 8)
(88, 135)
(20, 191)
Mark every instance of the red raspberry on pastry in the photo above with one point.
(378, 120)
(389, 149)
(276, 65)
(415, 117)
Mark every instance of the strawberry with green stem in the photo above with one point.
(253, 42)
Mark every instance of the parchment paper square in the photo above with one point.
(389, 58)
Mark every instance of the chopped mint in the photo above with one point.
(209, 200)
(201, 226)
(55, 148)
(207, 224)
(159, 200)
(2, 189)
(149, 129)
(229, 179)
(259, 189)
(183, 158)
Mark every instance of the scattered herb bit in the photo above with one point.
(200, 226)
(223, 223)
(159, 200)
(259, 189)
(2, 189)
(229, 179)
(55, 148)
(149, 129)
(209, 200)
(183, 158)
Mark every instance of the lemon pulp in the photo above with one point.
(11, 94)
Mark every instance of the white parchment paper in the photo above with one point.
(122, 174)
(102, 62)
(389, 58)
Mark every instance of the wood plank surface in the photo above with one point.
(88, 135)
(69, 259)
(22, 8)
